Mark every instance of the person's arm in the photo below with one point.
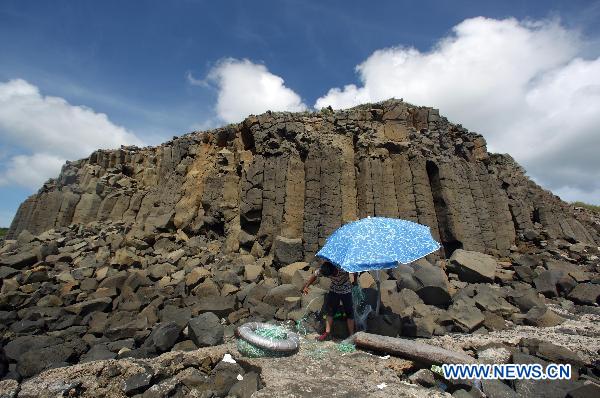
(309, 282)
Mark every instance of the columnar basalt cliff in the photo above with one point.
(129, 274)
(298, 176)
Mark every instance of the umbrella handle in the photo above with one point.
(378, 282)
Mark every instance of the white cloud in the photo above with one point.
(47, 130)
(31, 171)
(523, 85)
(247, 88)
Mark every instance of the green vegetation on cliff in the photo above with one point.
(3, 232)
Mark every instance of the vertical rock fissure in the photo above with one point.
(449, 242)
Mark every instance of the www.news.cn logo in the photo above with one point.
(510, 371)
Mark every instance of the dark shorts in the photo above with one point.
(332, 304)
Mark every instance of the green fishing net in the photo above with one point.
(251, 351)
(346, 348)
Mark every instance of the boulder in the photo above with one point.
(246, 387)
(466, 315)
(546, 281)
(286, 273)
(586, 293)
(490, 300)
(180, 316)
(434, 284)
(220, 305)
(20, 260)
(86, 307)
(472, 266)
(163, 336)
(493, 321)
(558, 354)
(542, 317)
(423, 377)
(138, 382)
(98, 352)
(252, 272)
(287, 250)
(22, 344)
(277, 295)
(224, 376)
(497, 389)
(526, 299)
(206, 330)
(34, 361)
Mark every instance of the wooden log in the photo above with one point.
(410, 349)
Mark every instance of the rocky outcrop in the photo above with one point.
(282, 182)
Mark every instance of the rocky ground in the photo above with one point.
(101, 310)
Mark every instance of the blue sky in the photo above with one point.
(158, 69)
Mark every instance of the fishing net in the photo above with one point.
(273, 333)
(346, 348)
(361, 308)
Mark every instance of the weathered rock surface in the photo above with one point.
(284, 181)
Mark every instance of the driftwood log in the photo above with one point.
(410, 349)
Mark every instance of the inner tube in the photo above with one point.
(247, 332)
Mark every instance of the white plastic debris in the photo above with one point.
(240, 377)
(228, 358)
(381, 386)
(385, 357)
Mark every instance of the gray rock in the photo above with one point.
(526, 299)
(490, 300)
(245, 387)
(22, 344)
(423, 377)
(546, 282)
(542, 317)
(224, 376)
(473, 266)
(180, 316)
(20, 260)
(137, 383)
(586, 293)
(86, 307)
(288, 251)
(206, 330)
(34, 361)
(590, 390)
(434, 284)
(558, 354)
(497, 389)
(221, 306)
(97, 353)
(277, 295)
(466, 315)
(163, 336)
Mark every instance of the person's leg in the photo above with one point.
(350, 323)
(349, 310)
(331, 304)
(328, 324)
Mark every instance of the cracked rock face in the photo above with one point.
(285, 181)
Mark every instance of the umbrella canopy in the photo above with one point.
(376, 243)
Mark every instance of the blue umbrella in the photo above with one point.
(376, 243)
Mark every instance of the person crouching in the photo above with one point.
(339, 292)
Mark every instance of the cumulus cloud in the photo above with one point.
(523, 85)
(45, 131)
(247, 88)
